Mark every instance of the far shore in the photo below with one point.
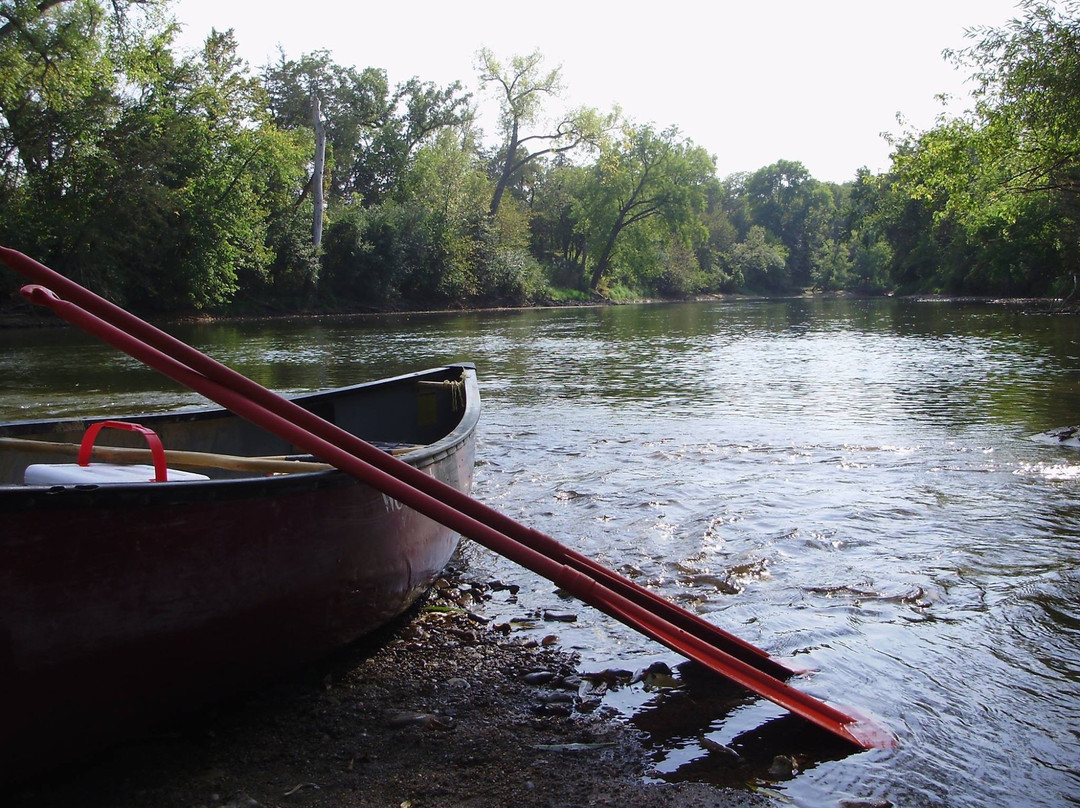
(21, 315)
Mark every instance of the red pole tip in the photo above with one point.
(39, 295)
(868, 734)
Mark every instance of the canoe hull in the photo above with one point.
(120, 604)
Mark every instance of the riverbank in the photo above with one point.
(21, 315)
(443, 709)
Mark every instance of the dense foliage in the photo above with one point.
(178, 182)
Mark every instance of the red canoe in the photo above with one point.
(123, 602)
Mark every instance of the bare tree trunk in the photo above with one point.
(508, 169)
(602, 263)
(317, 172)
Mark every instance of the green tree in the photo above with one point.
(556, 238)
(997, 190)
(522, 87)
(448, 181)
(423, 246)
(722, 235)
(1027, 118)
(57, 93)
(373, 130)
(863, 226)
(795, 208)
(148, 177)
(762, 265)
(642, 176)
(1027, 105)
(223, 171)
(22, 15)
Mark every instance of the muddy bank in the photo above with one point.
(443, 709)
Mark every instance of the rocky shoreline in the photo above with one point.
(441, 709)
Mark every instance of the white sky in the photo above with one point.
(816, 81)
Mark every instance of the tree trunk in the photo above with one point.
(604, 260)
(507, 171)
(317, 172)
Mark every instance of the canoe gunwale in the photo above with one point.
(17, 497)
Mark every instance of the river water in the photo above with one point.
(848, 484)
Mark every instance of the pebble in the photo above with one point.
(710, 745)
(538, 677)
(560, 617)
(612, 676)
(556, 697)
(499, 586)
(783, 767)
(657, 675)
(589, 705)
(592, 688)
(406, 718)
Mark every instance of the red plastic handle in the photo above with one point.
(157, 451)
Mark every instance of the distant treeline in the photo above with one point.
(177, 182)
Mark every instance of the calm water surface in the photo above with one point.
(848, 484)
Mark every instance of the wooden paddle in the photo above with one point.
(174, 457)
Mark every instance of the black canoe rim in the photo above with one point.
(22, 497)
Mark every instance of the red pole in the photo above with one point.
(581, 584)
